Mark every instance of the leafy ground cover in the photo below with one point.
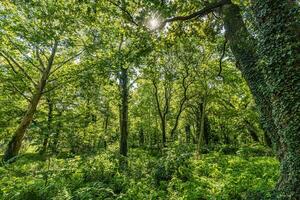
(175, 173)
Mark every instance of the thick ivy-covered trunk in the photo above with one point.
(278, 24)
(244, 48)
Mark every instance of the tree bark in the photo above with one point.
(206, 130)
(15, 143)
(124, 111)
(278, 30)
(244, 47)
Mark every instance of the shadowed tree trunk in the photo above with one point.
(188, 133)
(124, 111)
(206, 130)
(162, 112)
(201, 132)
(141, 137)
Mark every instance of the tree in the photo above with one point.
(35, 53)
(274, 88)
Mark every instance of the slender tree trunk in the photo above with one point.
(49, 127)
(206, 130)
(124, 112)
(201, 133)
(278, 24)
(164, 131)
(162, 112)
(141, 137)
(188, 133)
(54, 146)
(183, 100)
(15, 143)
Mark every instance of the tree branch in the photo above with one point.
(66, 61)
(208, 9)
(9, 59)
(26, 56)
(40, 59)
(131, 19)
(20, 92)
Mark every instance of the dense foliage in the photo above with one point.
(119, 100)
(249, 173)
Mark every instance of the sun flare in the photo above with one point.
(153, 23)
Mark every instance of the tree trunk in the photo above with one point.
(201, 133)
(54, 146)
(188, 133)
(206, 130)
(163, 130)
(124, 111)
(49, 128)
(162, 112)
(278, 24)
(15, 143)
(141, 137)
(244, 47)
(183, 100)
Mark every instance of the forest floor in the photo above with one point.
(248, 173)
